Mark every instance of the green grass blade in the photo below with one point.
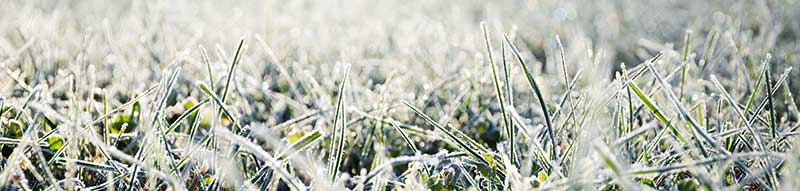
(656, 111)
(753, 130)
(235, 62)
(464, 146)
(219, 102)
(334, 158)
(535, 87)
(185, 114)
(676, 102)
(299, 145)
(505, 116)
(405, 136)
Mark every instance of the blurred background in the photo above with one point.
(137, 32)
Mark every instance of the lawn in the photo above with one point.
(399, 95)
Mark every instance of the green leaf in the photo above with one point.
(688, 184)
(488, 157)
(121, 120)
(648, 182)
(294, 136)
(542, 176)
(56, 142)
(207, 179)
(535, 183)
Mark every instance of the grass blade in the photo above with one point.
(656, 111)
(299, 145)
(334, 162)
(684, 113)
(405, 136)
(506, 119)
(464, 146)
(535, 87)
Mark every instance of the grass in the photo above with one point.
(335, 156)
(535, 87)
(416, 95)
(510, 134)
